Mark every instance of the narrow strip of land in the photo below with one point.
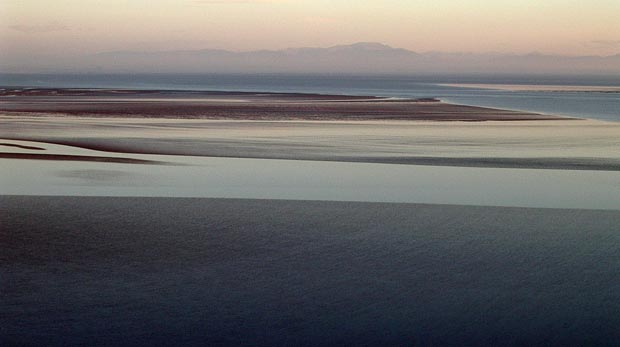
(68, 157)
(244, 106)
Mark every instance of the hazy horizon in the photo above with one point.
(357, 58)
(65, 35)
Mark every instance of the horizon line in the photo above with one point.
(359, 43)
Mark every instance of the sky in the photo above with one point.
(567, 27)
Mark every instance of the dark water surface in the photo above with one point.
(168, 271)
(596, 105)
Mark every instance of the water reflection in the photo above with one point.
(315, 180)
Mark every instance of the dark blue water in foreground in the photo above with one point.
(84, 271)
(596, 105)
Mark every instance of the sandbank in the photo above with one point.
(244, 106)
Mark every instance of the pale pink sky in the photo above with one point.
(59, 27)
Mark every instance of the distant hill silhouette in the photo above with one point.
(363, 57)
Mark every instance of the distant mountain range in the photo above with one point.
(363, 57)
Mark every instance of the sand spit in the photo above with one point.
(244, 106)
(65, 157)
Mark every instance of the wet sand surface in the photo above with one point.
(161, 271)
(75, 171)
(247, 106)
(303, 127)
(557, 144)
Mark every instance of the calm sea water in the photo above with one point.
(96, 271)
(596, 105)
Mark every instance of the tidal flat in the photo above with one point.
(356, 227)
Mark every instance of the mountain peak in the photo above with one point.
(370, 46)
